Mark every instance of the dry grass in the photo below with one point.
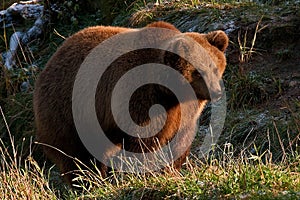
(248, 175)
(21, 179)
(247, 51)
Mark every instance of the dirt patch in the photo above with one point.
(276, 53)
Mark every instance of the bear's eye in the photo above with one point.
(216, 71)
(196, 74)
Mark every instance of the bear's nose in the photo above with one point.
(216, 96)
(216, 91)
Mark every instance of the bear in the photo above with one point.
(52, 99)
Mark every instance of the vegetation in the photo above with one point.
(257, 156)
(247, 176)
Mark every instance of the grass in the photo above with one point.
(247, 51)
(260, 87)
(247, 176)
(20, 179)
(231, 179)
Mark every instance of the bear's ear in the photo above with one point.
(218, 39)
(162, 24)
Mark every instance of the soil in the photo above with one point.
(277, 54)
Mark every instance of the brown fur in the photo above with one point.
(161, 24)
(53, 96)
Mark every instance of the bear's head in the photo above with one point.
(210, 59)
(207, 83)
(215, 43)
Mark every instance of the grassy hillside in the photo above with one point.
(257, 156)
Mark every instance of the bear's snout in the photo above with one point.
(216, 91)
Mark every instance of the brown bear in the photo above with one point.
(53, 96)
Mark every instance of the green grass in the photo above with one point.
(247, 176)
(260, 87)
